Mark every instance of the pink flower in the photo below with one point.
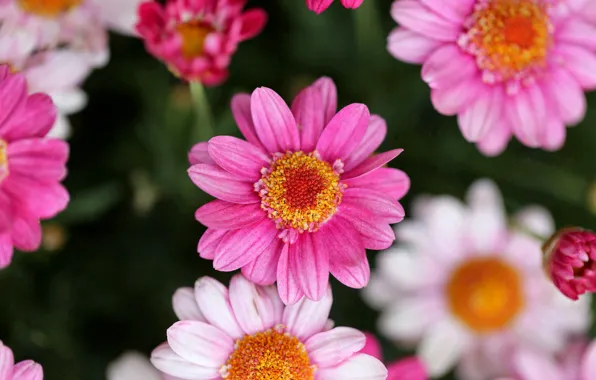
(247, 333)
(570, 261)
(197, 39)
(404, 369)
(505, 67)
(31, 166)
(318, 6)
(469, 288)
(25, 370)
(134, 366)
(303, 197)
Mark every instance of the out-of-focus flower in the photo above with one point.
(303, 197)
(196, 39)
(505, 67)
(404, 369)
(31, 166)
(247, 333)
(318, 6)
(134, 366)
(469, 288)
(25, 370)
(570, 261)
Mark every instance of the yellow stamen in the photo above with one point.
(48, 8)
(193, 34)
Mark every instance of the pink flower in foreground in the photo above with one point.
(318, 6)
(247, 333)
(404, 369)
(303, 197)
(31, 166)
(197, 39)
(570, 261)
(134, 366)
(505, 67)
(25, 370)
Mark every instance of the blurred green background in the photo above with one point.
(111, 262)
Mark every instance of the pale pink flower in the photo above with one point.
(505, 67)
(246, 332)
(304, 196)
(468, 287)
(31, 166)
(134, 366)
(196, 39)
(25, 370)
(410, 368)
(318, 6)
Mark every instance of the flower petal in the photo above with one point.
(229, 216)
(199, 154)
(535, 366)
(454, 10)
(209, 242)
(447, 66)
(372, 163)
(351, 4)
(310, 117)
(413, 15)
(566, 95)
(6, 252)
(169, 362)
(372, 347)
(307, 317)
(318, 6)
(273, 121)
(527, 114)
(375, 235)
(310, 266)
(263, 269)
(185, 305)
(496, 139)
(26, 232)
(482, 115)
(242, 114)
(409, 46)
(577, 32)
(407, 369)
(35, 119)
(343, 133)
(358, 367)
(43, 199)
(27, 370)
(487, 226)
(13, 94)
(40, 159)
(214, 303)
(223, 185)
(441, 347)
(253, 22)
(393, 182)
(380, 206)
(328, 91)
(458, 97)
(582, 64)
(287, 285)
(374, 136)
(588, 364)
(6, 362)
(238, 157)
(333, 347)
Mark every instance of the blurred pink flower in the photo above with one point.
(469, 288)
(31, 166)
(134, 366)
(304, 196)
(505, 67)
(246, 332)
(570, 261)
(404, 369)
(318, 6)
(197, 39)
(25, 370)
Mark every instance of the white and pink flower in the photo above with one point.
(25, 370)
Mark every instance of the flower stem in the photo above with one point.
(203, 129)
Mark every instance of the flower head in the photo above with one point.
(197, 39)
(318, 6)
(245, 332)
(404, 369)
(469, 287)
(505, 67)
(134, 366)
(25, 370)
(303, 197)
(31, 166)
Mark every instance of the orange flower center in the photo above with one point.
(269, 355)
(485, 294)
(48, 8)
(300, 191)
(193, 34)
(3, 160)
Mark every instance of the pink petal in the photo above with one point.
(527, 114)
(209, 242)
(455, 99)
(448, 66)
(6, 362)
(487, 226)
(496, 140)
(44, 200)
(199, 154)
(566, 95)
(372, 347)
(588, 364)
(328, 91)
(4, 69)
(229, 216)
(333, 347)
(200, 343)
(168, 362)
(371, 164)
(263, 269)
(27, 370)
(393, 182)
(554, 131)
(287, 286)
(41, 159)
(358, 367)
(307, 317)
(310, 266)
(6, 252)
(213, 300)
(407, 369)
(577, 32)
(318, 6)
(351, 4)
(13, 92)
(582, 64)
(535, 366)
(223, 185)
(185, 306)
(35, 119)
(409, 46)
(374, 234)
(242, 114)
(239, 247)
(374, 136)
(482, 115)
(379, 205)
(274, 122)
(454, 10)
(26, 233)
(414, 15)
(310, 116)
(344, 132)
(253, 22)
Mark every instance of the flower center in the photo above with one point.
(510, 38)
(3, 160)
(300, 191)
(48, 8)
(268, 355)
(193, 34)
(485, 294)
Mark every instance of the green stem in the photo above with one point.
(203, 129)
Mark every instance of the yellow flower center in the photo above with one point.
(269, 355)
(300, 191)
(193, 34)
(510, 38)
(485, 294)
(48, 8)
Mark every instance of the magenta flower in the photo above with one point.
(410, 368)
(318, 6)
(570, 261)
(197, 39)
(25, 370)
(304, 196)
(31, 166)
(505, 67)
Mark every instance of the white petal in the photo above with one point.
(441, 347)
(306, 317)
(167, 361)
(212, 298)
(132, 366)
(410, 317)
(185, 305)
(332, 347)
(537, 220)
(486, 227)
(200, 343)
(535, 366)
(359, 367)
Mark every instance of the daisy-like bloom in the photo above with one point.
(468, 287)
(31, 166)
(246, 332)
(505, 67)
(403, 369)
(196, 39)
(304, 196)
(25, 370)
(318, 6)
(570, 261)
(134, 366)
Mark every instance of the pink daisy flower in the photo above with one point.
(468, 287)
(197, 39)
(318, 6)
(403, 369)
(31, 166)
(505, 67)
(304, 196)
(25, 370)
(134, 366)
(246, 332)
